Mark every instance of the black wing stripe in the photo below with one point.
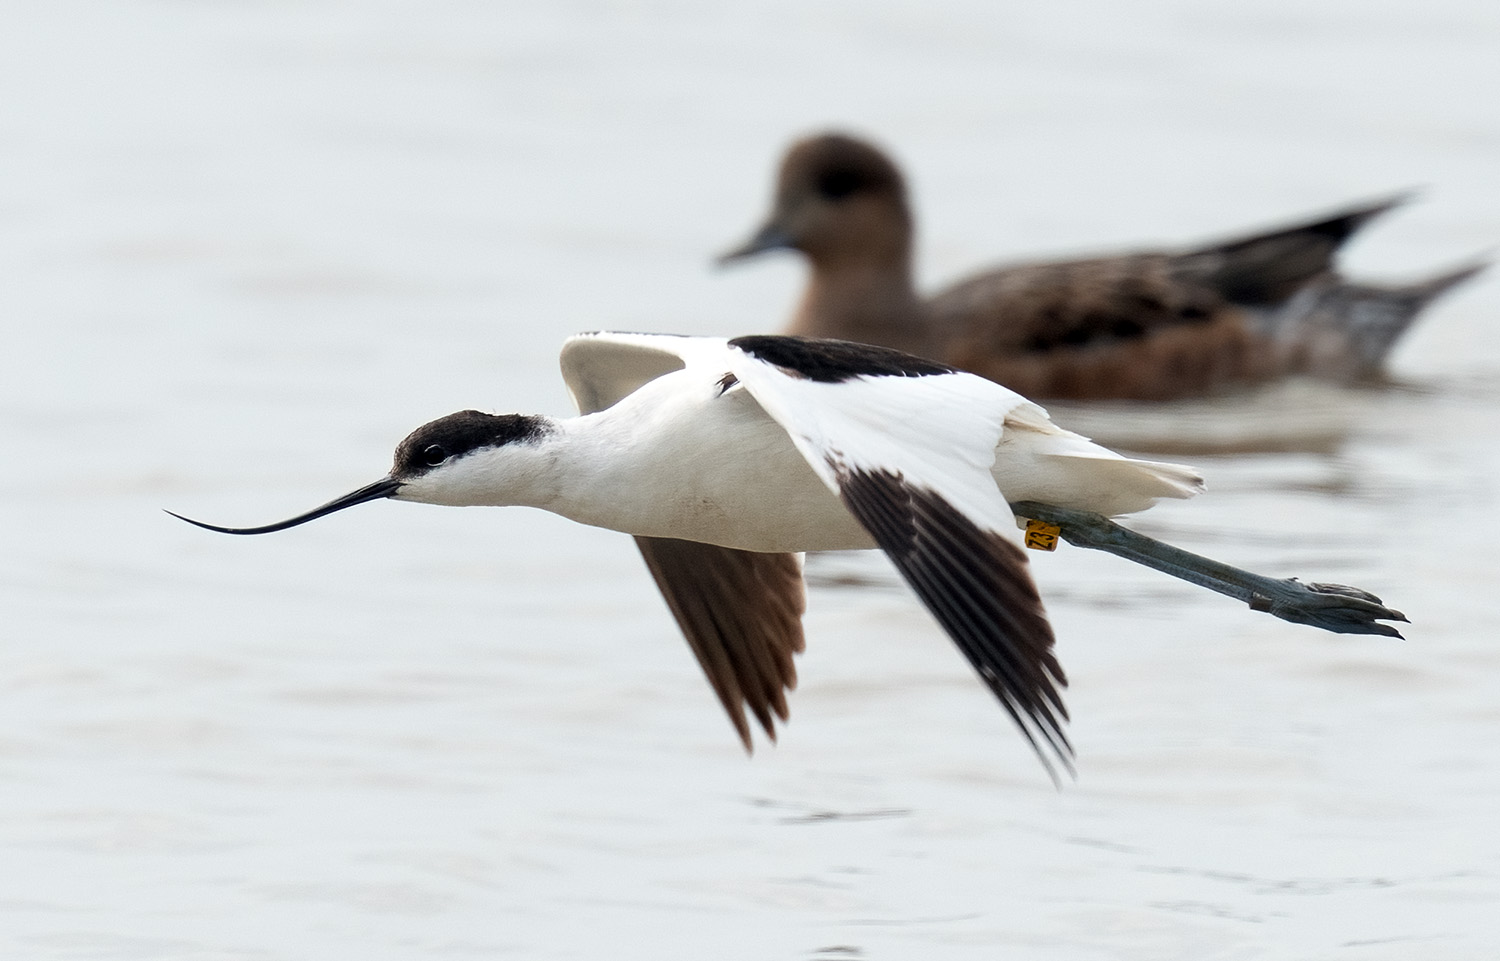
(999, 681)
(965, 597)
(956, 537)
(741, 613)
(1012, 604)
(977, 586)
(833, 361)
(971, 559)
(1025, 670)
(1015, 597)
(996, 669)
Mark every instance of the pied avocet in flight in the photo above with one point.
(727, 459)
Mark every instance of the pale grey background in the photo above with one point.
(248, 245)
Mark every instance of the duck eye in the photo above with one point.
(838, 184)
(434, 455)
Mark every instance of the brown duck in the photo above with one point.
(1154, 325)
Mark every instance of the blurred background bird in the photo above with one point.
(1149, 325)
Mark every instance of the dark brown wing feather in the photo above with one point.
(1148, 326)
(1266, 268)
(741, 613)
(1110, 327)
(977, 585)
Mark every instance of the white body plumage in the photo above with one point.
(731, 450)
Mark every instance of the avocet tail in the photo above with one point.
(1039, 461)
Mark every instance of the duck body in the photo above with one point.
(1153, 325)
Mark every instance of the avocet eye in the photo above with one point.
(434, 455)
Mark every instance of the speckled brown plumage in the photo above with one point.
(1142, 326)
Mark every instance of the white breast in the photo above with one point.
(683, 458)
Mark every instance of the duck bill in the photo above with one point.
(770, 237)
(379, 490)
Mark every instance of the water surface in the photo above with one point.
(249, 245)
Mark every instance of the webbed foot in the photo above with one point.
(1333, 607)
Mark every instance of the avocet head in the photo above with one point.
(464, 459)
(471, 458)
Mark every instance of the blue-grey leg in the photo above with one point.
(1333, 607)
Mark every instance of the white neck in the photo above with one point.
(666, 461)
